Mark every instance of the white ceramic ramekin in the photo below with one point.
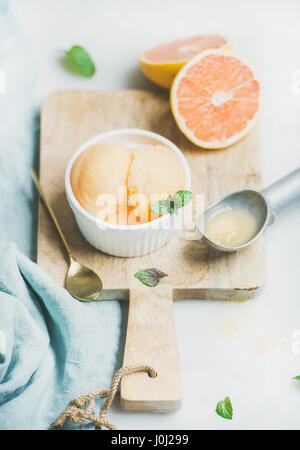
(124, 240)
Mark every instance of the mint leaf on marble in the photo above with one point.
(81, 61)
(224, 409)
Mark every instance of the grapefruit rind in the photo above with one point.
(217, 144)
(161, 74)
(164, 73)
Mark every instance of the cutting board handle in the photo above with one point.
(151, 339)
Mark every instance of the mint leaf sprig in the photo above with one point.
(81, 61)
(172, 203)
(150, 277)
(224, 409)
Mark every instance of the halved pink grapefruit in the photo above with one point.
(215, 99)
(162, 63)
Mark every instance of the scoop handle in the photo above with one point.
(283, 194)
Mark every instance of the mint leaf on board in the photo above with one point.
(150, 277)
(296, 378)
(224, 408)
(81, 61)
(173, 203)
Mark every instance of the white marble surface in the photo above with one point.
(241, 350)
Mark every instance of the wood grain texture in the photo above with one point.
(194, 271)
(151, 337)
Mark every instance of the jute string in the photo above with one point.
(82, 408)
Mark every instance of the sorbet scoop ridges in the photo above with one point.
(118, 184)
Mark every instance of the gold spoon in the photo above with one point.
(82, 282)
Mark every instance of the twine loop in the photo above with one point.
(82, 408)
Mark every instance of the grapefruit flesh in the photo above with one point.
(162, 63)
(215, 99)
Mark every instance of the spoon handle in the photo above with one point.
(51, 212)
(283, 194)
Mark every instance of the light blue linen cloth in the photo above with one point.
(52, 347)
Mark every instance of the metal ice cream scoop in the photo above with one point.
(265, 205)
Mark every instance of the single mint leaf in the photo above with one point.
(183, 198)
(296, 378)
(160, 207)
(173, 203)
(150, 277)
(81, 61)
(224, 408)
(172, 208)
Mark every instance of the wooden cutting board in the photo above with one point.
(194, 271)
